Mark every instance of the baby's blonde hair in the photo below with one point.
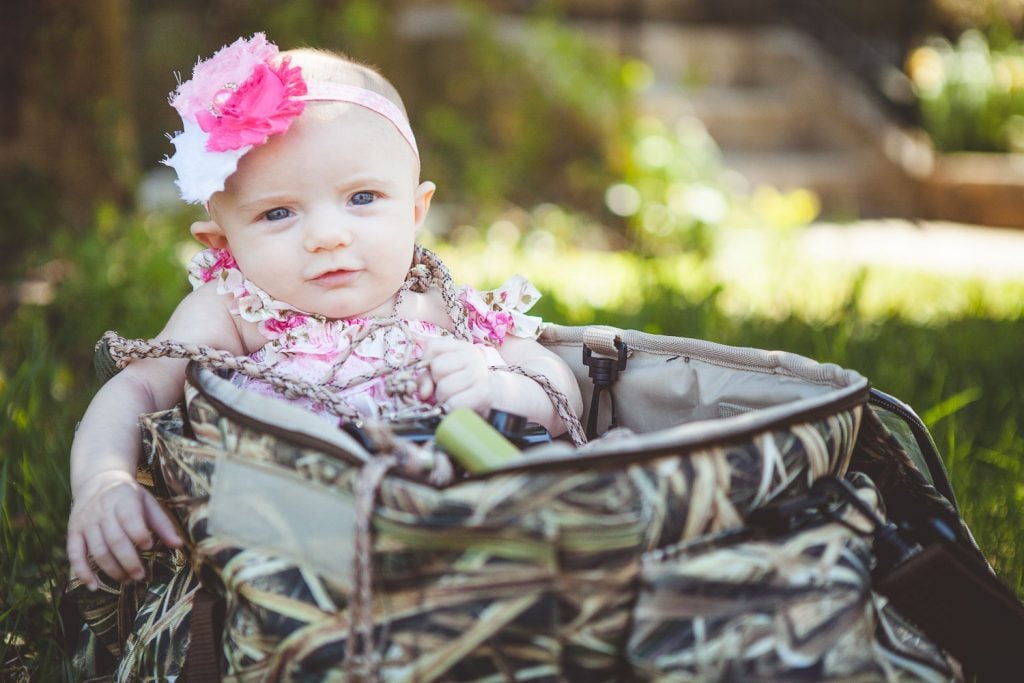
(324, 66)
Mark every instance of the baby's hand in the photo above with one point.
(111, 517)
(459, 375)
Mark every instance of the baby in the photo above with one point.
(309, 171)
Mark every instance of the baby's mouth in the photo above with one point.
(336, 278)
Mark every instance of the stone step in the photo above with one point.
(749, 119)
(841, 179)
(782, 114)
(762, 118)
(686, 56)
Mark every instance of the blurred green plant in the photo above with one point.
(514, 114)
(672, 190)
(971, 92)
(677, 193)
(959, 15)
(125, 272)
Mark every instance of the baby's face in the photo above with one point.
(324, 216)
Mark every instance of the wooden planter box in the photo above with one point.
(968, 187)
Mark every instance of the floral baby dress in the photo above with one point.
(356, 356)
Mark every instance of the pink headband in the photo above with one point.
(375, 102)
(237, 99)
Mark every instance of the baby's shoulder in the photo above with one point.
(204, 316)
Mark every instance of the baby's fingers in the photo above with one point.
(77, 559)
(132, 523)
(121, 560)
(436, 346)
(159, 522)
(425, 386)
(101, 554)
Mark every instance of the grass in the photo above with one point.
(957, 363)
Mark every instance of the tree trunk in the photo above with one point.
(67, 114)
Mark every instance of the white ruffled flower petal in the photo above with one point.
(518, 294)
(200, 172)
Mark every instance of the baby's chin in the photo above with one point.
(385, 309)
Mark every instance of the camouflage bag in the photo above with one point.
(630, 558)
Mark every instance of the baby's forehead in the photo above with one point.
(350, 112)
(326, 130)
(350, 116)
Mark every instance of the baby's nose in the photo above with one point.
(327, 229)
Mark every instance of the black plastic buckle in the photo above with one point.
(603, 371)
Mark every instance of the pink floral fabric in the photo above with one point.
(321, 350)
(232, 64)
(264, 105)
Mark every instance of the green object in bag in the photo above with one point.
(476, 445)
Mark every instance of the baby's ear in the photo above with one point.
(210, 234)
(424, 193)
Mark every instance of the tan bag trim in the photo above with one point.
(601, 339)
(682, 438)
(735, 357)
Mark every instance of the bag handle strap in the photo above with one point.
(559, 400)
(202, 660)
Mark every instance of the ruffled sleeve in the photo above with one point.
(247, 300)
(492, 315)
(208, 265)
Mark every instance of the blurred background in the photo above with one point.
(837, 178)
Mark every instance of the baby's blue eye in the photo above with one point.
(277, 214)
(361, 198)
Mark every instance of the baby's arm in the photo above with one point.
(111, 514)
(459, 376)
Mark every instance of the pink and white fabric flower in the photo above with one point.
(238, 99)
(494, 314)
(235, 100)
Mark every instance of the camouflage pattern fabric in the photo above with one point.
(796, 607)
(610, 572)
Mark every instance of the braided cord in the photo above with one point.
(439, 275)
(125, 350)
(360, 607)
(558, 400)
